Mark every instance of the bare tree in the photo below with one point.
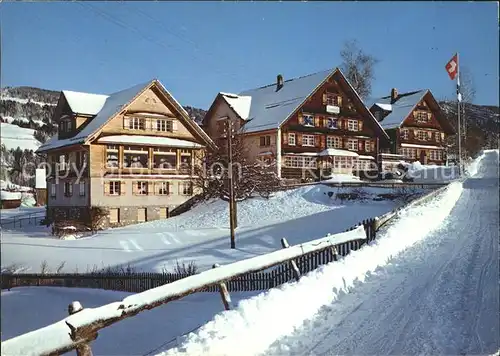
(358, 67)
(250, 177)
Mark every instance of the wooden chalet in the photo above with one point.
(130, 152)
(313, 126)
(416, 126)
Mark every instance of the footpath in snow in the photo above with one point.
(428, 285)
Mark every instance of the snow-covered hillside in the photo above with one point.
(200, 235)
(13, 136)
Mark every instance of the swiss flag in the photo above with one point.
(452, 67)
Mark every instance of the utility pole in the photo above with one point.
(232, 202)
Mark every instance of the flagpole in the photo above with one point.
(459, 123)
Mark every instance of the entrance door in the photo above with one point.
(423, 157)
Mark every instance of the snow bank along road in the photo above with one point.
(429, 285)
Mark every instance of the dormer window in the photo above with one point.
(332, 99)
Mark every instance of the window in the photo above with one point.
(185, 163)
(332, 123)
(141, 188)
(163, 188)
(53, 190)
(82, 189)
(68, 189)
(333, 99)
(265, 141)
(137, 123)
(164, 125)
(408, 152)
(63, 162)
(342, 162)
(135, 157)
(114, 215)
(440, 155)
(291, 139)
(114, 188)
(368, 146)
(333, 142)
(422, 117)
(81, 159)
(300, 162)
(422, 135)
(404, 134)
(165, 158)
(112, 156)
(308, 120)
(352, 144)
(437, 135)
(352, 125)
(308, 140)
(186, 188)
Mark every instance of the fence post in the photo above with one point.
(296, 271)
(373, 228)
(335, 253)
(82, 349)
(224, 294)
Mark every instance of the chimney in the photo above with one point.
(394, 95)
(279, 82)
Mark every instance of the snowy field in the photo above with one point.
(13, 136)
(200, 235)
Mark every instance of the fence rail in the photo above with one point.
(380, 184)
(22, 220)
(77, 331)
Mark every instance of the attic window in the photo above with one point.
(137, 123)
(308, 120)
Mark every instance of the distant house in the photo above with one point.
(416, 126)
(313, 125)
(130, 152)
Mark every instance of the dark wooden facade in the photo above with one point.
(422, 133)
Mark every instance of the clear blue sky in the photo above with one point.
(200, 48)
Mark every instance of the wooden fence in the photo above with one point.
(22, 220)
(139, 282)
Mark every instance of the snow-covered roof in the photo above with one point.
(114, 103)
(240, 104)
(386, 107)
(4, 195)
(337, 152)
(400, 109)
(149, 140)
(366, 157)
(269, 108)
(84, 103)
(421, 146)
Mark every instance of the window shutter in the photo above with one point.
(429, 135)
(360, 145)
(415, 132)
(285, 138)
(126, 123)
(415, 114)
(442, 136)
(134, 187)
(317, 121)
(324, 98)
(316, 141)
(151, 188)
(298, 139)
(360, 125)
(299, 118)
(122, 187)
(174, 125)
(106, 188)
(339, 100)
(345, 142)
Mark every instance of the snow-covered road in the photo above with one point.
(440, 296)
(426, 285)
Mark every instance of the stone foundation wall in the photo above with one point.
(128, 215)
